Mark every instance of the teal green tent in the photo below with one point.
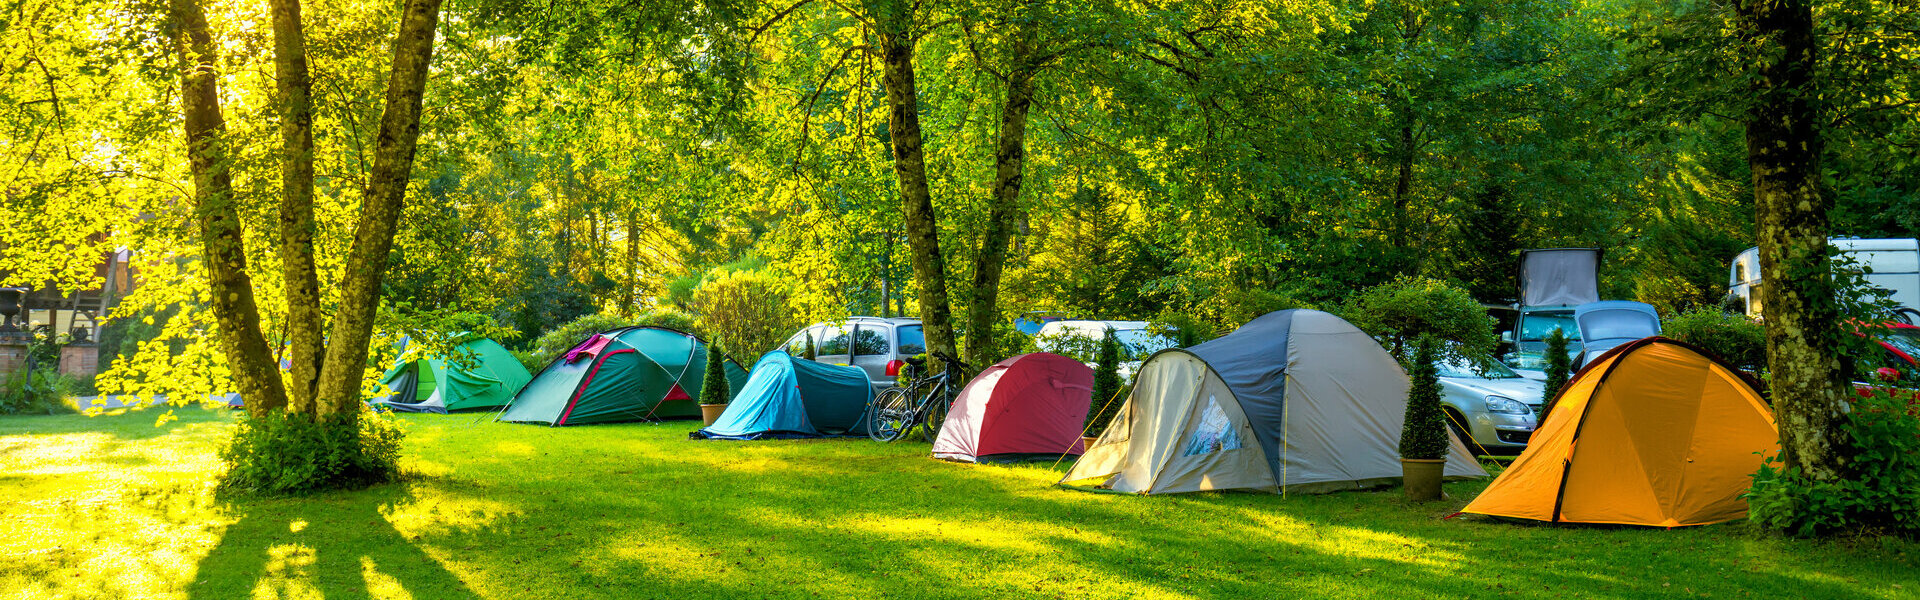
(481, 374)
(789, 397)
(628, 374)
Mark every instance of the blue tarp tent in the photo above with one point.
(786, 397)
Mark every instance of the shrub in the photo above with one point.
(561, 339)
(1424, 435)
(39, 391)
(1878, 493)
(812, 352)
(714, 388)
(1106, 384)
(1740, 341)
(748, 308)
(1559, 368)
(282, 454)
(1398, 311)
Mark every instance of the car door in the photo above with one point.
(834, 344)
(872, 350)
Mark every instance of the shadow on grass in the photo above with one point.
(339, 546)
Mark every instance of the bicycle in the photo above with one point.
(923, 401)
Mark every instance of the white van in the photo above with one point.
(1895, 264)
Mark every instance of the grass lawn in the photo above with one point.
(114, 507)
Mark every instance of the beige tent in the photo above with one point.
(1297, 401)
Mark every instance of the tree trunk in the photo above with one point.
(221, 239)
(346, 356)
(304, 321)
(910, 167)
(1009, 171)
(633, 262)
(1810, 384)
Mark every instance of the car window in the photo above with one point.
(833, 340)
(1537, 327)
(1141, 343)
(797, 346)
(912, 339)
(1616, 324)
(870, 340)
(1907, 341)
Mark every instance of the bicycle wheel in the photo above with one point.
(935, 412)
(890, 415)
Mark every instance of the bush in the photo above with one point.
(40, 391)
(1559, 368)
(1879, 493)
(1398, 311)
(748, 308)
(1424, 434)
(554, 343)
(281, 454)
(714, 388)
(1740, 341)
(1185, 330)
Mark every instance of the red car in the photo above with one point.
(1901, 365)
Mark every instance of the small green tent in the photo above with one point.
(628, 374)
(481, 374)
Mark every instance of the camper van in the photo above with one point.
(1552, 282)
(1895, 264)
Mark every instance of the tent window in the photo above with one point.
(1214, 433)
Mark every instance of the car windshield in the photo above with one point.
(1140, 343)
(1619, 324)
(1537, 326)
(1494, 371)
(1907, 341)
(912, 340)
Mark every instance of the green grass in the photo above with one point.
(114, 507)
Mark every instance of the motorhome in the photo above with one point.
(1895, 266)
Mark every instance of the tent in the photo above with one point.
(1667, 437)
(789, 397)
(1026, 406)
(1296, 401)
(480, 375)
(627, 374)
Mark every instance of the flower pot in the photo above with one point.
(711, 412)
(1422, 478)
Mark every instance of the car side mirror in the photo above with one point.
(1887, 374)
(1506, 337)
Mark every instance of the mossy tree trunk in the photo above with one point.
(1810, 385)
(1010, 158)
(255, 373)
(894, 19)
(304, 319)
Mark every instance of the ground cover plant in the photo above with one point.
(116, 507)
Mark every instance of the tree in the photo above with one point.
(336, 385)
(1809, 382)
(1106, 383)
(1558, 367)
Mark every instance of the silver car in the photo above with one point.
(878, 345)
(1492, 411)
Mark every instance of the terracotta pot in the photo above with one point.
(711, 412)
(1087, 442)
(1422, 478)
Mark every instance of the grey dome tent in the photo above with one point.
(480, 375)
(1297, 401)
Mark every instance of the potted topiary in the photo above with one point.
(1423, 438)
(714, 388)
(1106, 388)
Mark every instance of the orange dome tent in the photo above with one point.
(1652, 433)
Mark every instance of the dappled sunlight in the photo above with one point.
(381, 586)
(287, 575)
(433, 510)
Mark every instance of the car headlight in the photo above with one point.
(1506, 406)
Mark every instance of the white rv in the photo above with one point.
(1895, 264)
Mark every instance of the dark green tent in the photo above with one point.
(628, 374)
(481, 375)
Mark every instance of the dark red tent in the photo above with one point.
(1027, 406)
